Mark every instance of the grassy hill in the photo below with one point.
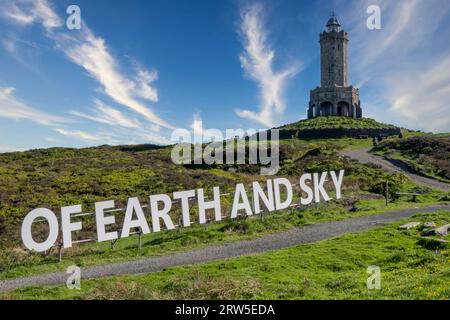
(335, 123)
(64, 176)
(331, 269)
(428, 155)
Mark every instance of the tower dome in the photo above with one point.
(333, 24)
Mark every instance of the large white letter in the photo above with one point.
(258, 193)
(276, 186)
(318, 187)
(203, 206)
(184, 196)
(67, 226)
(337, 182)
(161, 214)
(245, 205)
(102, 221)
(27, 237)
(134, 205)
(307, 189)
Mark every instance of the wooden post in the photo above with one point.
(60, 246)
(140, 240)
(387, 192)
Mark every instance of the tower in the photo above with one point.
(334, 97)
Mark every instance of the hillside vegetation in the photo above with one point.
(428, 155)
(58, 177)
(335, 123)
(331, 269)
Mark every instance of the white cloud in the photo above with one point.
(423, 97)
(197, 125)
(403, 73)
(4, 148)
(108, 115)
(13, 108)
(149, 137)
(78, 134)
(92, 53)
(26, 12)
(257, 62)
(144, 80)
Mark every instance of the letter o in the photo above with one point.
(27, 237)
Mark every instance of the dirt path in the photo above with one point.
(364, 156)
(296, 236)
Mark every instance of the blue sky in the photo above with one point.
(139, 69)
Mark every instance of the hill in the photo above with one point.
(336, 127)
(57, 177)
(428, 155)
(335, 123)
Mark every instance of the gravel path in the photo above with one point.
(364, 156)
(296, 236)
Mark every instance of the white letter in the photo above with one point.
(27, 237)
(276, 185)
(306, 188)
(374, 21)
(134, 205)
(102, 221)
(161, 214)
(74, 20)
(258, 193)
(318, 187)
(184, 196)
(203, 206)
(337, 182)
(67, 226)
(240, 193)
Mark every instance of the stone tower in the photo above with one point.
(334, 97)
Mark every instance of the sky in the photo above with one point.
(138, 70)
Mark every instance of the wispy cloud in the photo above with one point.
(423, 97)
(13, 108)
(4, 148)
(78, 134)
(108, 115)
(402, 71)
(27, 12)
(92, 53)
(257, 62)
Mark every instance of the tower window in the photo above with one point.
(339, 47)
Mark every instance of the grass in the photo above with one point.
(331, 269)
(69, 176)
(60, 176)
(335, 123)
(427, 155)
(18, 263)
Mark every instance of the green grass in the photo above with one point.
(428, 155)
(69, 176)
(331, 269)
(166, 242)
(336, 122)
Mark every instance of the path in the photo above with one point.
(364, 156)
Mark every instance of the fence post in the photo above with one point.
(60, 246)
(140, 240)
(387, 192)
